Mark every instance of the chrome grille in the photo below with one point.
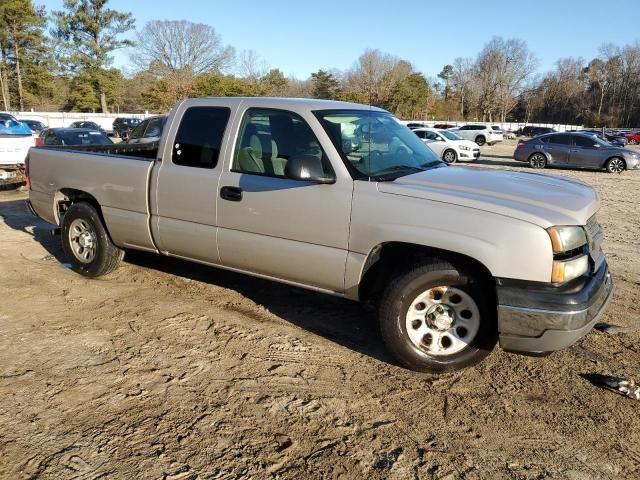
(594, 237)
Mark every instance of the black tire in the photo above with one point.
(615, 165)
(538, 160)
(449, 156)
(403, 290)
(633, 141)
(480, 140)
(106, 256)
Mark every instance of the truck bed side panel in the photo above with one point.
(118, 183)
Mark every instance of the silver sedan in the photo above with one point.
(578, 150)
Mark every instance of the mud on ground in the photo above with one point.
(170, 370)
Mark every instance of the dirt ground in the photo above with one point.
(170, 370)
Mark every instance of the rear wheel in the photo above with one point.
(633, 141)
(537, 160)
(86, 242)
(434, 317)
(615, 165)
(480, 140)
(450, 156)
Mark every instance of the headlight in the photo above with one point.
(565, 270)
(564, 239)
(462, 147)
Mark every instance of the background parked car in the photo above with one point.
(633, 138)
(615, 140)
(148, 130)
(479, 134)
(74, 136)
(447, 145)
(444, 126)
(122, 126)
(537, 131)
(36, 126)
(579, 150)
(89, 125)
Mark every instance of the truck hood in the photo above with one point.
(540, 199)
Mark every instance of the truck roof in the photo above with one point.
(298, 103)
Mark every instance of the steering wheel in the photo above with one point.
(402, 155)
(376, 160)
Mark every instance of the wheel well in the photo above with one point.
(615, 156)
(535, 153)
(481, 135)
(388, 259)
(68, 196)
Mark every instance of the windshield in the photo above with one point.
(449, 135)
(375, 145)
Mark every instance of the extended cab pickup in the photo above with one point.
(342, 199)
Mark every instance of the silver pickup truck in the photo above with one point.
(342, 199)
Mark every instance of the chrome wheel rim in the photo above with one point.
(538, 161)
(442, 321)
(449, 156)
(82, 240)
(616, 165)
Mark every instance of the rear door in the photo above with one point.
(184, 190)
(277, 226)
(558, 147)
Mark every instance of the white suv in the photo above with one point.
(480, 134)
(448, 145)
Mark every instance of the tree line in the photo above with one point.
(63, 60)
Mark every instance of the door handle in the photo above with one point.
(233, 194)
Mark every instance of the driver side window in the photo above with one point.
(273, 142)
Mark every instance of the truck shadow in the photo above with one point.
(341, 321)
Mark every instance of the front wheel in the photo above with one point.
(86, 243)
(434, 317)
(450, 156)
(633, 141)
(615, 165)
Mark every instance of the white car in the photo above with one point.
(447, 145)
(15, 141)
(480, 134)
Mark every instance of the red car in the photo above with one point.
(633, 138)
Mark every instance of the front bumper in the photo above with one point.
(542, 318)
(469, 154)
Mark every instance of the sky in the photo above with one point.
(300, 37)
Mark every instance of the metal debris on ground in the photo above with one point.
(620, 385)
(630, 389)
(609, 328)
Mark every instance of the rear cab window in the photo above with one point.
(199, 137)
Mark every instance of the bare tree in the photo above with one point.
(249, 65)
(374, 76)
(180, 45)
(461, 80)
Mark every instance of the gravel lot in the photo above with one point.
(170, 370)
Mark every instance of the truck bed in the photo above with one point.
(116, 176)
(138, 150)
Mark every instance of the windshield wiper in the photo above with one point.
(391, 173)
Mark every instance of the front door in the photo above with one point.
(183, 204)
(276, 226)
(586, 153)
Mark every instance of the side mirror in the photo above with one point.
(307, 168)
